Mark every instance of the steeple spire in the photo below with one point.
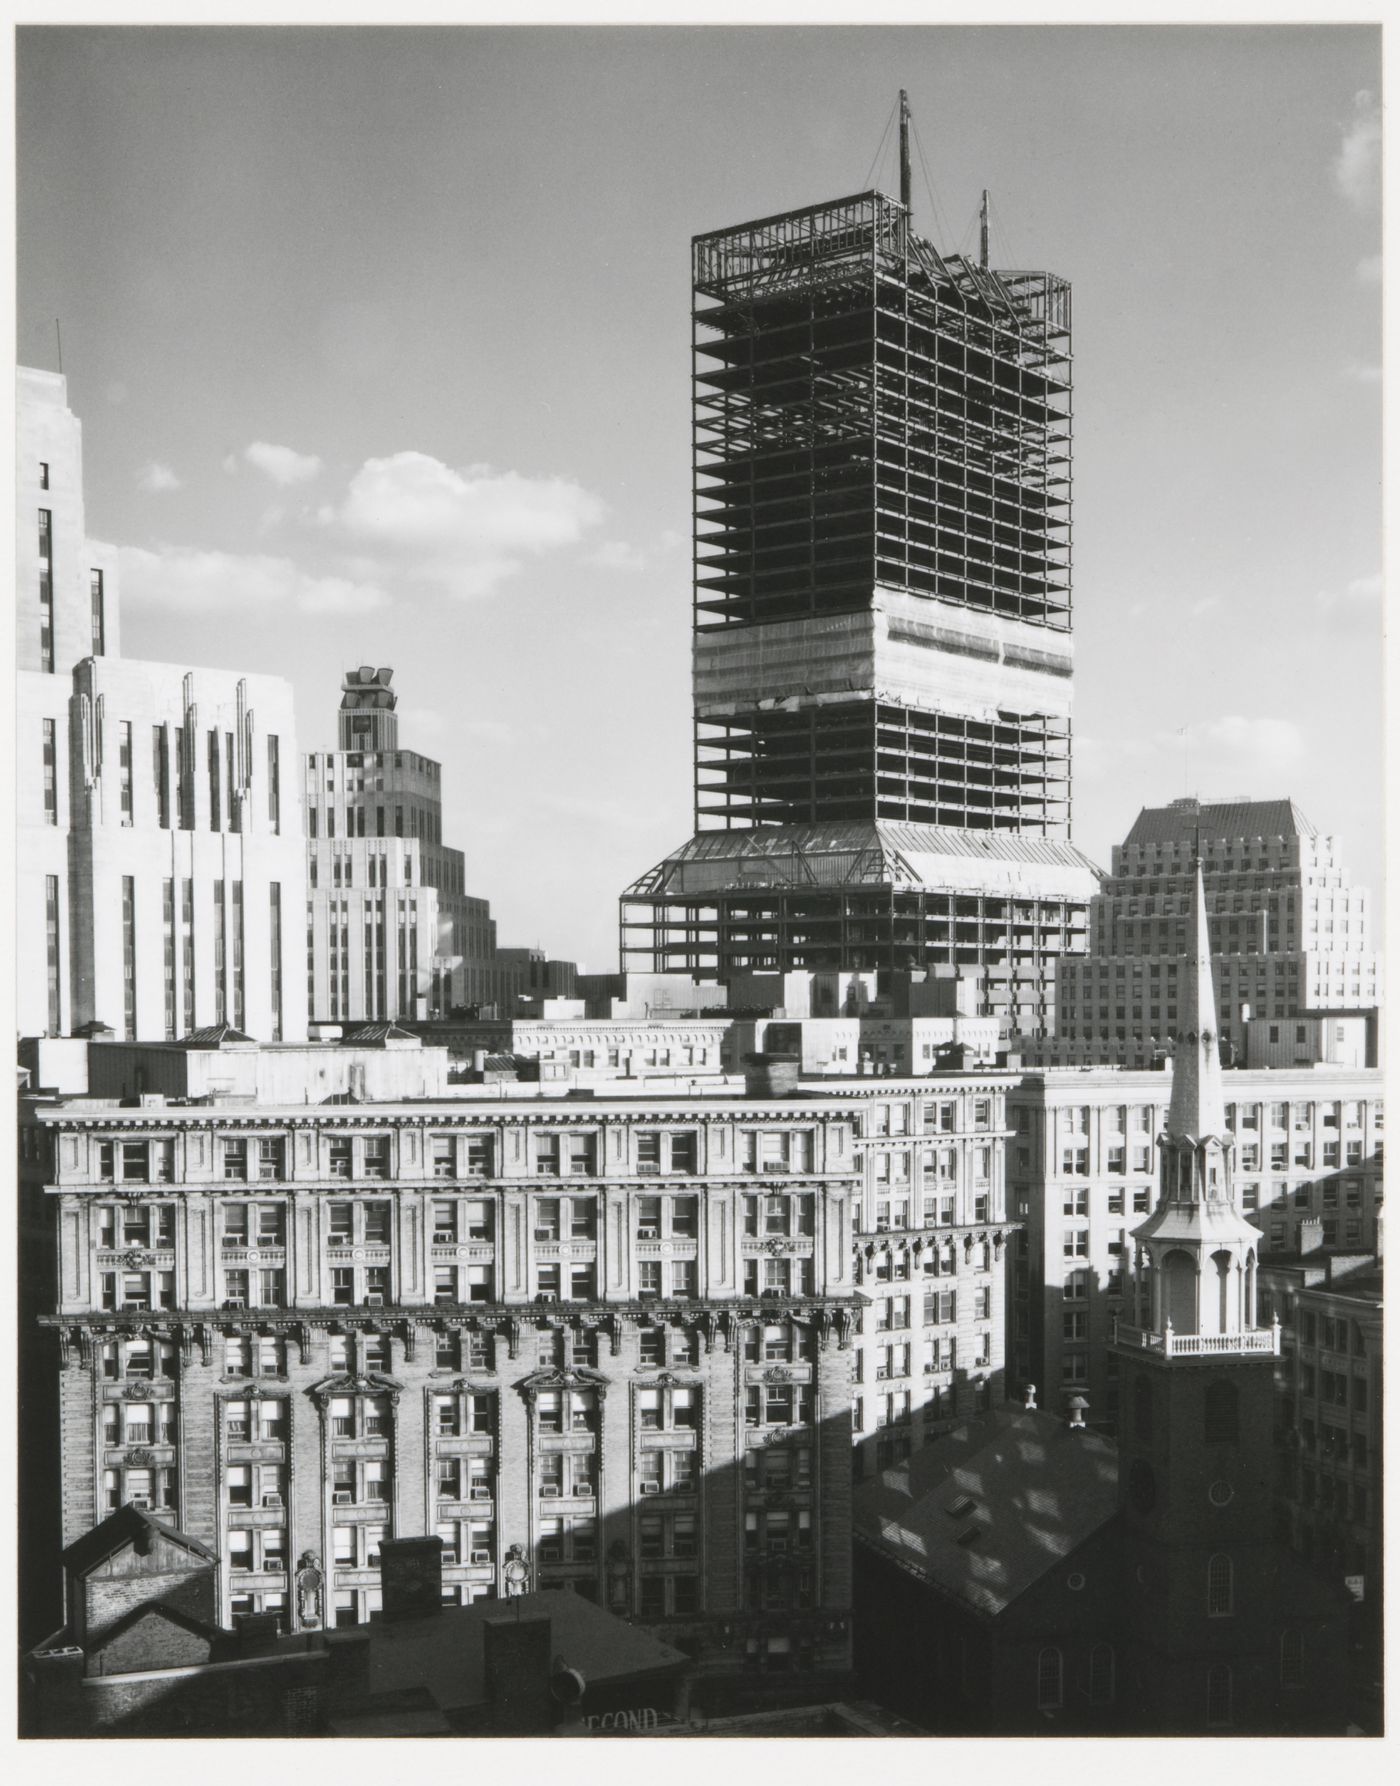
(1198, 1093)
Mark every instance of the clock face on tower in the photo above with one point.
(1142, 1486)
(1221, 1494)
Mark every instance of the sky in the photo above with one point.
(381, 344)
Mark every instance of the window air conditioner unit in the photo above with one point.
(448, 1555)
(272, 1500)
(481, 1556)
(545, 1234)
(648, 1232)
(342, 1497)
(651, 1488)
(549, 1489)
(375, 1299)
(142, 1501)
(229, 1302)
(584, 1491)
(547, 1296)
(648, 1168)
(481, 1491)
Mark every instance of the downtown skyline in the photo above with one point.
(395, 371)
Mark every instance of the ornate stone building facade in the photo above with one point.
(605, 1341)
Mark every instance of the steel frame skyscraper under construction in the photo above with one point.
(882, 653)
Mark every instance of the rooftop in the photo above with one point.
(1179, 822)
(880, 853)
(986, 1511)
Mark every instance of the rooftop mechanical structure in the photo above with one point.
(882, 653)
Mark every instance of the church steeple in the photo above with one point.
(1198, 1096)
(1197, 1254)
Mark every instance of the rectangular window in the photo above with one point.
(167, 912)
(275, 948)
(274, 783)
(50, 772)
(238, 1016)
(220, 954)
(129, 955)
(215, 801)
(51, 946)
(99, 612)
(45, 589)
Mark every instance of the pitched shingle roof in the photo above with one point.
(986, 1511)
(128, 1525)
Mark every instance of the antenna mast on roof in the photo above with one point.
(986, 231)
(58, 330)
(906, 184)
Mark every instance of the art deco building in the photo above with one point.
(304, 1299)
(882, 653)
(391, 930)
(1290, 940)
(160, 868)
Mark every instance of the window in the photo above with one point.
(1220, 1587)
(271, 1163)
(1049, 1680)
(1222, 1413)
(1101, 1674)
(46, 589)
(1219, 1697)
(50, 732)
(1290, 1659)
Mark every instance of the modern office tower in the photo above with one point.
(309, 1298)
(1083, 1161)
(1228, 1623)
(160, 871)
(1290, 940)
(391, 932)
(882, 653)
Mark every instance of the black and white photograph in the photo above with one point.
(698, 877)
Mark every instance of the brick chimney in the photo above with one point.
(516, 1654)
(410, 1575)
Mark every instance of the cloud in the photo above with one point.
(156, 478)
(282, 464)
(184, 580)
(618, 555)
(467, 530)
(1359, 372)
(1357, 168)
(1368, 269)
(1357, 604)
(1236, 753)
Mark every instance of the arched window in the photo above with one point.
(1220, 1697)
(1142, 1409)
(1220, 1587)
(1222, 1413)
(1290, 1659)
(1101, 1674)
(1049, 1680)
